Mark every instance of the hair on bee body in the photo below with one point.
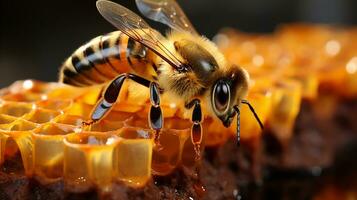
(183, 64)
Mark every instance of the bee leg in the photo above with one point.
(105, 103)
(236, 108)
(110, 96)
(155, 115)
(196, 130)
(156, 119)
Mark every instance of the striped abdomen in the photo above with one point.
(104, 58)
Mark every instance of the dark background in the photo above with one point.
(37, 36)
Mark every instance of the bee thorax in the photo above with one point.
(181, 85)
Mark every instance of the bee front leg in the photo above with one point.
(196, 130)
(110, 96)
(236, 108)
(156, 120)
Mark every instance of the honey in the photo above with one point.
(42, 121)
(48, 149)
(46, 131)
(88, 159)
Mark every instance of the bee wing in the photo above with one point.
(136, 28)
(167, 12)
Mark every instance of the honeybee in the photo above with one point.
(184, 64)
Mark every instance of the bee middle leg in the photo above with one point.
(196, 129)
(155, 115)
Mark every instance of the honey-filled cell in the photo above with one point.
(48, 149)
(75, 169)
(88, 159)
(309, 85)
(73, 120)
(106, 125)
(15, 109)
(118, 116)
(58, 105)
(6, 119)
(40, 116)
(24, 143)
(22, 125)
(6, 122)
(333, 77)
(136, 121)
(21, 97)
(286, 99)
(132, 156)
(167, 155)
(168, 151)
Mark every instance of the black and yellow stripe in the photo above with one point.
(104, 58)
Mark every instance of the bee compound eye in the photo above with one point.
(221, 97)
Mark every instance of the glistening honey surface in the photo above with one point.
(42, 121)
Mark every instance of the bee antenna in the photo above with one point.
(254, 113)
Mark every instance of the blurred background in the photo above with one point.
(37, 36)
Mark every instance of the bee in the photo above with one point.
(183, 64)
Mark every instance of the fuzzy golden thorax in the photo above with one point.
(200, 55)
(207, 67)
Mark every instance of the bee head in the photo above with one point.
(227, 92)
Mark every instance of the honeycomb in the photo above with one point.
(42, 121)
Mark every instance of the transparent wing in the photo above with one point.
(136, 28)
(167, 12)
